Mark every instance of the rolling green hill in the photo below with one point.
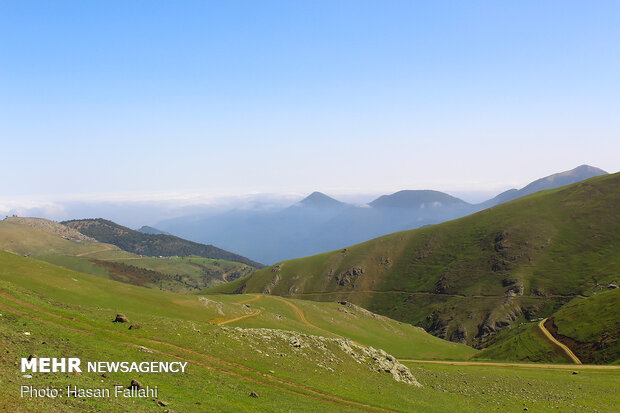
(467, 280)
(289, 355)
(153, 245)
(590, 327)
(52, 242)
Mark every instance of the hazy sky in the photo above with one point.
(340, 96)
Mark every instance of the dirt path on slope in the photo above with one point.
(564, 348)
(232, 320)
(249, 300)
(263, 378)
(94, 252)
(300, 315)
(521, 365)
(420, 293)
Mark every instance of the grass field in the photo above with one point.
(68, 313)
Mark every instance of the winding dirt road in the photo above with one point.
(564, 348)
(521, 365)
(252, 314)
(300, 315)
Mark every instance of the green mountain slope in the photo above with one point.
(233, 350)
(590, 327)
(52, 242)
(468, 279)
(153, 245)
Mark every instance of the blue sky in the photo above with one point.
(232, 97)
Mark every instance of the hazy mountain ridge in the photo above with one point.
(549, 182)
(321, 223)
(416, 199)
(150, 244)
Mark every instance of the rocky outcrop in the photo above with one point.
(459, 335)
(375, 359)
(274, 281)
(350, 277)
(499, 320)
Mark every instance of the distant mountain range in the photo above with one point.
(140, 243)
(321, 223)
(471, 278)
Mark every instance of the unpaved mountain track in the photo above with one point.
(562, 346)
(232, 320)
(94, 252)
(302, 317)
(249, 300)
(212, 363)
(419, 293)
(520, 365)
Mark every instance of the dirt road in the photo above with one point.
(564, 348)
(521, 365)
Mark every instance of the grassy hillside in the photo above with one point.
(66, 313)
(468, 279)
(590, 327)
(153, 245)
(25, 240)
(181, 274)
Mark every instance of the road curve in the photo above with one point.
(564, 348)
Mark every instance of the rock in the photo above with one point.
(135, 327)
(32, 356)
(575, 372)
(121, 318)
(161, 403)
(350, 277)
(254, 394)
(144, 349)
(459, 335)
(135, 384)
(104, 375)
(274, 281)
(294, 341)
(27, 376)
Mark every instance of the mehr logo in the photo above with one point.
(51, 365)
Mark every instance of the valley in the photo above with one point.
(519, 299)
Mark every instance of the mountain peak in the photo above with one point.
(319, 199)
(415, 199)
(548, 182)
